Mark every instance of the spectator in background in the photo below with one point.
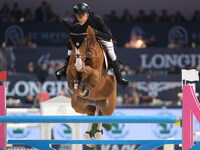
(26, 42)
(172, 19)
(126, 17)
(135, 94)
(65, 92)
(52, 68)
(196, 16)
(151, 41)
(29, 99)
(42, 73)
(164, 16)
(16, 12)
(41, 14)
(106, 18)
(69, 17)
(173, 43)
(127, 99)
(128, 70)
(4, 13)
(31, 68)
(34, 100)
(27, 15)
(52, 17)
(141, 16)
(153, 17)
(113, 17)
(173, 70)
(179, 17)
(140, 70)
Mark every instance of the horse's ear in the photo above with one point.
(69, 25)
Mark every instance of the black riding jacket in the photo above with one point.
(97, 23)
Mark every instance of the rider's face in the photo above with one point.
(82, 17)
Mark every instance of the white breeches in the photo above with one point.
(110, 47)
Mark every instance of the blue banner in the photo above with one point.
(163, 87)
(149, 58)
(54, 34)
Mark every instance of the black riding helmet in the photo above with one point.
(81, 8)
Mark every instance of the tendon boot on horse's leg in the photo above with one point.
(75, 82)
(123, 82)
(83, 89)
(99, 131)
(61, 73)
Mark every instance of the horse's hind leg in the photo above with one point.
(99, 131)
(88, 133)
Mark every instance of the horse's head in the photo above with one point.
(82, 39)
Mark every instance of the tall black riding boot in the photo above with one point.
(62, 71)
(120, 79)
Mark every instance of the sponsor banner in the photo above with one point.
(26, 133)
(147, 131)
(19, 85)
(54, 34)
(45, 34)
(162, 87)
(119, 131)
(150, 58)
(159, 58)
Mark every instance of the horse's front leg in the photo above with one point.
(73, 77)
(83, 89)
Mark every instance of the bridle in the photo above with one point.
(89, 47)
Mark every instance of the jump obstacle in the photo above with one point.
(190, 106)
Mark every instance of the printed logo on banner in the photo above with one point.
(18, 133)
(178, 32)
(118, 130)
(164, 130)
(13, 35)
(62, 131)
(153, 88)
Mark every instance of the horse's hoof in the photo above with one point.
(98, 134)
(88, 135)
(90, 145)
(85, 93)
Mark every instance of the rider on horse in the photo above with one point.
(82, 12)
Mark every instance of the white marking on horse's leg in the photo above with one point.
(99, 131)
(88, 132)
(89, 127)
(88, 135)
(99, 126)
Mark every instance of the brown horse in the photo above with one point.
(87, 77)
